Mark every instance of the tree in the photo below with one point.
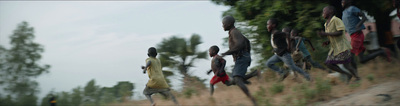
(20, 64)
(77, 96)
(91, 93)
(124, 90)
(252, 17)
(179, 53)
(305, 15)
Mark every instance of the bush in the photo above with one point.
(355, 85)
(300, 102)
(277, 88)
(370, 77)
(189, 92)
(323, 87)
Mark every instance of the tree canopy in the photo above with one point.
(304, 15)
(19, 65)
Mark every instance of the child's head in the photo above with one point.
(228, 22)
(294, 32)
(346, 3)
(152, 52)
(286, 30)
(328, 12)
(213, 51)
(272, 24)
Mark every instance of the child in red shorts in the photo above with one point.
(218, 67)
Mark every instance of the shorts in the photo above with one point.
(357, 42)
(242, 62)
(341, 58)
(150, 91)
(217, 79)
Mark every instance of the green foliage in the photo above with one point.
(300, 102)
(189, 92)
(91, 92)
(252, 15)
(261, 97)
(323, 87)
(92, 95)
(77, 96)
(7, 101)
(354, 85)
(321, 91)
(124, 90)
(19, 65)
(180, 53)
(304, 15)
(370, 77)
(277, 88)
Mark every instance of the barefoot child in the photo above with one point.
(218, 67)
(340, 47)
(156, 83)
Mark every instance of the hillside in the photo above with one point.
(378, 77)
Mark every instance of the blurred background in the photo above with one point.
(90, 52)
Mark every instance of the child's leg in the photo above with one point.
(287, 59)
(313, 63)
(167, 93)
(336, 68)
(353, 61)
(211, 89)
(242, 86)
(148, 94)
(252, 74)
(352, 70)
(150, 99)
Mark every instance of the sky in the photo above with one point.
(108, 40)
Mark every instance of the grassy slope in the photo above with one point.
(294, 92)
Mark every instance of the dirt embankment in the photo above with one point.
(382, 94)
(380, 85)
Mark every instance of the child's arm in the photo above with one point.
(298, 43)
(208, 72)
(363, 19)
(145, 67)
(309, 41)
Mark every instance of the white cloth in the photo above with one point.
(272, 42)
(373, 41)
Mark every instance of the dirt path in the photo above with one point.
(382, 94)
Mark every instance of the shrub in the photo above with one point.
(370, 77)
(277, 88)
(189, 92)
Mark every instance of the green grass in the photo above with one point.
(370, 77)
(277, 88)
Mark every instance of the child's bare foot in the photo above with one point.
(154, 104)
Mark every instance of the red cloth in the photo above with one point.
(217, 79)
(357, 42)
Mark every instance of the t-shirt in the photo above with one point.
(302, 47)
(373, 41)
(156, 76)
(351, 19)
(338, 44)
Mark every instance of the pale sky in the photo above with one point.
(108, 40)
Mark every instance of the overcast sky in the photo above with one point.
(108, 40)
